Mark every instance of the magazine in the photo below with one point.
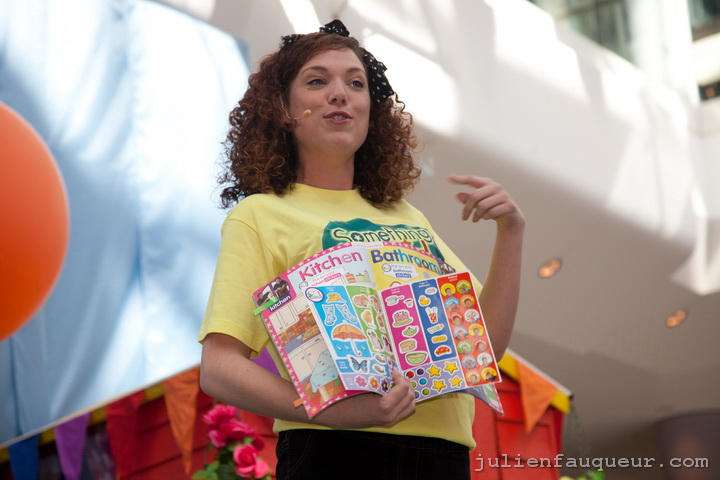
(345, 318)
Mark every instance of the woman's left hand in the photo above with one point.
(487, 200)
(501, 289)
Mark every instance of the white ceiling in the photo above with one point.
(598, 326)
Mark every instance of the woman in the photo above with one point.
(320, 151)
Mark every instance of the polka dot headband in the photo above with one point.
(380, 88)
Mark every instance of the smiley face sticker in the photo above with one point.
(476, 330)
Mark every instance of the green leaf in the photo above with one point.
(204, 475)
(226, 472)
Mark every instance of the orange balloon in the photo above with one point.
(34, 222)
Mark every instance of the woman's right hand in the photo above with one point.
(371, 409)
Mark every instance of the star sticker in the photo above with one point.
(450, 367)
(456, 381)
(439, 385)
(434, 371)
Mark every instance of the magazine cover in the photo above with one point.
(343, 319)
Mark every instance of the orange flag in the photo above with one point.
(180, 400)
(536, 394)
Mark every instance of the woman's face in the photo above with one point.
(333, 86)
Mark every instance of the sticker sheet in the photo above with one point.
(440, 337)
(343, 319)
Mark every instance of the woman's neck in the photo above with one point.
(330, 175)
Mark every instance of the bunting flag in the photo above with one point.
(265, 360)
(70, 442)
(536, 394)
(98, 456)
(180, 400)
(121, 421)
(24, 458)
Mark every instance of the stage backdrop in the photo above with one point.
(132, 99)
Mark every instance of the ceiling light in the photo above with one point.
(676, 318)
(550, 268)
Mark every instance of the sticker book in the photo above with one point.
(345, 318)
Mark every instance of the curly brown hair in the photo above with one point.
(260, 154)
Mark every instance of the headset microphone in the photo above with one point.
(306, 113)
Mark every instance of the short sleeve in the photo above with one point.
(242, 268)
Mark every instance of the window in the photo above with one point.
(622, 26)
(604, 21)
(704, 17)
(705, 23)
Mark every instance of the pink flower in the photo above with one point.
(231, 435)
(247, 462)
(233, 431)
(219, 414)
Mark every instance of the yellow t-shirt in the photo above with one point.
(265, 235)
